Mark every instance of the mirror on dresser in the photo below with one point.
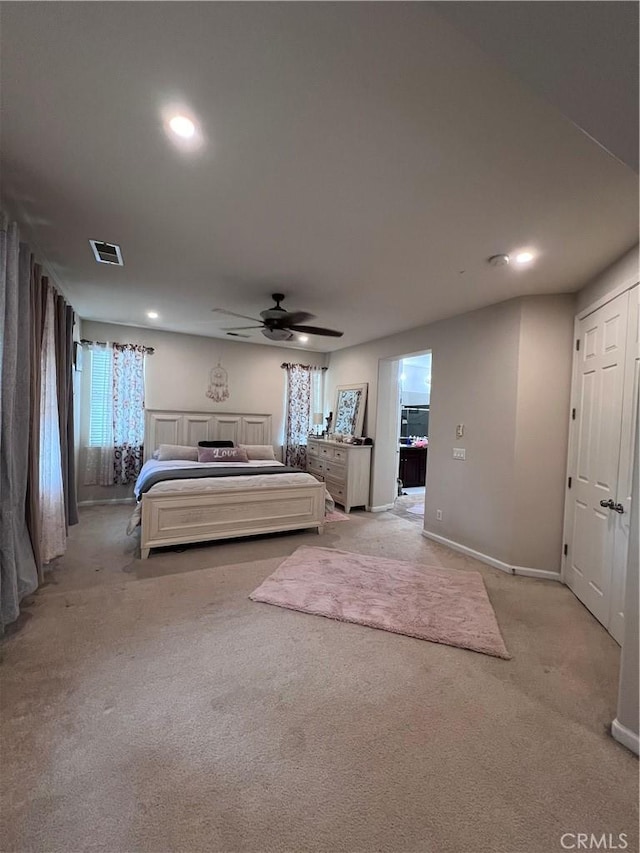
(351, 401)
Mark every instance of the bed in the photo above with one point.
(182, 501)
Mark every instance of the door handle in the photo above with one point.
(610, 504)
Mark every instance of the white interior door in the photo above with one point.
(599, 384)
(625, 470)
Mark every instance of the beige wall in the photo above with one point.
(628, 705)
(504, 372)
(623, 272)
(177, 377)
(542, 427)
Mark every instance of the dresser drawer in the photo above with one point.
(326, 452)
(338, 491)
(335, 471)
(315, 466)
(340, 454)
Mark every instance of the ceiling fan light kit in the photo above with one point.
(277, 334)
(278, 324)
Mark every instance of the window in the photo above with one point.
(101, 410)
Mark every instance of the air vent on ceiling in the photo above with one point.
(106, 253)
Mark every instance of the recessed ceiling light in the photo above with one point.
(524, 257)
(303, 339)
(182, 126)
(152, 315)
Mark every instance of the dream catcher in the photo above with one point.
(218, 384)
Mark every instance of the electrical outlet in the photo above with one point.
(459, 453)
(459, 430)
(438, 515)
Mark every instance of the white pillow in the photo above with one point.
(177, 451)
(258, 451)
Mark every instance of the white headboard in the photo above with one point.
(188, 428)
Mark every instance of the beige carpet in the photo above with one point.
(405, 507)
(335, 515)
(440, 605)
(151, 706)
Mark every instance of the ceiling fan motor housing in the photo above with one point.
(278, 324)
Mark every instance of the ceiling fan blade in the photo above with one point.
(316, 330)
(298, 317)
(240, 328)
(279, 315)
(233, 314)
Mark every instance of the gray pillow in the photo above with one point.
(259, 451)
(177, 451)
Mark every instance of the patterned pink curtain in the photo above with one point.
(128, 411)
(305, 391)
(298, 415)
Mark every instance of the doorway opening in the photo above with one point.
(413, 407)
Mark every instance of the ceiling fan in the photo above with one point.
(278, 324)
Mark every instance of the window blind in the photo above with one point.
(100, 428)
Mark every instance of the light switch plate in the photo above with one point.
(459, 453)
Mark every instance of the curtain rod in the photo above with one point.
(85, 343)
(286, 364)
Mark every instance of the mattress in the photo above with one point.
(217, 484)
(153, 469)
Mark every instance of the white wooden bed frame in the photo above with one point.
(175, 518)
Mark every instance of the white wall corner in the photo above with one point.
(524, 571)
(625, 736)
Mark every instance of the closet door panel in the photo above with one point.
(599, 380)
(622, 521)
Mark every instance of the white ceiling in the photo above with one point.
(365, 159)
(582, 57)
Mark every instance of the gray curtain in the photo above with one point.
(64, 377)
(37, 303)
(18, 572)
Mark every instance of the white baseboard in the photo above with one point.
(525, 571)
(107, 502)
(381, 508)
(625, 736)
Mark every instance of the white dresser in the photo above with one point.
(345, 469)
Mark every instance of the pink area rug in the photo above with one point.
(440, 605)
(336, 516)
